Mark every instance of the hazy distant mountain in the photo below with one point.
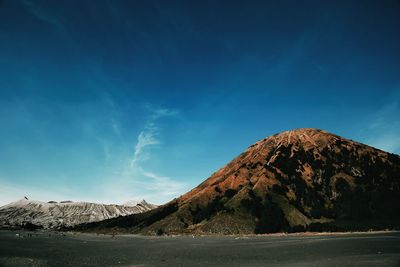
(64, 214)
(305, 179)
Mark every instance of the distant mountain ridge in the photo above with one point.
(53, 215)
(139, 203)
(304, 179)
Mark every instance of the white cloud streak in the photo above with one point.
(149, 136)
(146, 138)
(383, 131)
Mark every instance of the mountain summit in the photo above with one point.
(305, 179)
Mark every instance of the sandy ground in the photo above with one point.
(19, 248)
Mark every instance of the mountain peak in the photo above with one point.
(303, 179)
(306, 137)
(135, 202)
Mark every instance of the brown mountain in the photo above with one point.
(305, 179)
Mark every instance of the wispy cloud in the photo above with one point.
(38, 12)
(149, 136)
(383, 131)
(388, 142)
(135, 181)
(115, 127)
(163, 185)
(146, 138)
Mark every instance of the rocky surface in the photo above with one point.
(37, 214)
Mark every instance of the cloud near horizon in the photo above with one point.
(150, 136)
(383, 132)
(125, 178)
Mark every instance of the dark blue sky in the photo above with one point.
(113, 100)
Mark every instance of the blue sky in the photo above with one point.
(108, 101)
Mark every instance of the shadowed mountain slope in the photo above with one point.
(305, 179)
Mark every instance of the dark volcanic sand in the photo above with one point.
(55, 249)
